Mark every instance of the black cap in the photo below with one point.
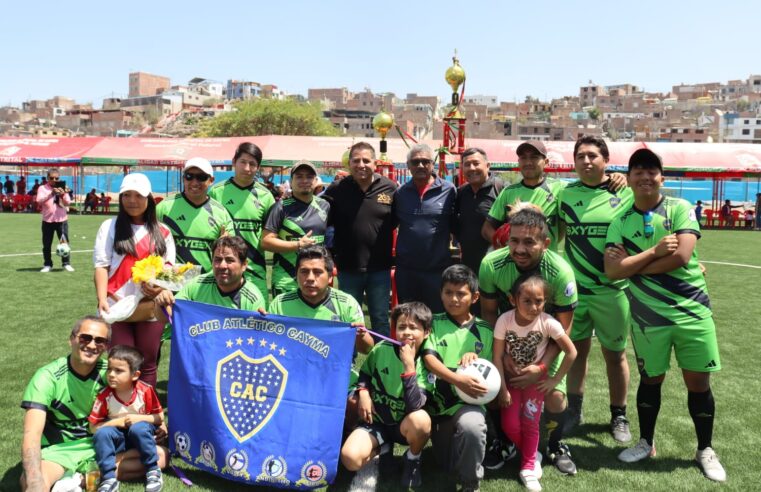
(532, 144)
(645, 158)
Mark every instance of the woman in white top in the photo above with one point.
(134, 234)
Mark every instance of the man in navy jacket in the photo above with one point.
(424, 209)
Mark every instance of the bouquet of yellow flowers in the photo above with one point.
(153, 271)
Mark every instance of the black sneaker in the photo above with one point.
(411, 474)
(562, 460)
(473, 486)
(573, 419)
(497, 454)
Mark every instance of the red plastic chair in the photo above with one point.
(19, 203)
(736, 218)
(709, 217)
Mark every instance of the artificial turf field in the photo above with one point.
(38, 311)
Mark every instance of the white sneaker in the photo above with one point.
(68, 268)
(639, 452)
(709, 462)
(538, 468)
(45, 269)
(530, 480)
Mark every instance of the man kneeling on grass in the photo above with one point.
(393, 389)
(57, 442)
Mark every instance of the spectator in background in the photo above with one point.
(758, 208)
(749, 219)
(726, 217)
(54, 202)
(35, 187)
(8, 186)
(91, 201)
(21, 186)
(474, 199)
(699, 211)
(424, 209)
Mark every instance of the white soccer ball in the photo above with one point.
(63, 250)
(489, 376)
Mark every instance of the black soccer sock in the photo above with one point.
(702, 409)
(616, 411)
(554, 423)
(648, 405)
(575, 401)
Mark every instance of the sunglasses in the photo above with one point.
(198, 177)
(417, 162)
(647, 222)
(85, 339)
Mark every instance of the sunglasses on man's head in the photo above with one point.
(85, 339)
(647, 222)
(198, 177)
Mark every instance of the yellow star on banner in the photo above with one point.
(282, 351)
(273, 346)
(229, 344)
(250, 340)
(262, 342)
(238, 341)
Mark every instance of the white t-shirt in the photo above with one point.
(120, 282)
(526, 344)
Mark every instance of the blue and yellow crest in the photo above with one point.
(248, 392)
(614, 201)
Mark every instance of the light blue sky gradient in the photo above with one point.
(85, 49)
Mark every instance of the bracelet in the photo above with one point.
(542, 367)
(361, 388)
(408, 374)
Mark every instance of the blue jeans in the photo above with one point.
(377, 285)
(109, 441)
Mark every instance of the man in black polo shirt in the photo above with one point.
(361, 214)
(474, 199)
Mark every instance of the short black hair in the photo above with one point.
(460, 274)
(130, 355)
(473, 150)
(592, 140)
(315, 252)
(361, 146)
(235, 243)
(415, 310)
(251, 149)
(531, 217)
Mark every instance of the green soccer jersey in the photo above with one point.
(291, 219)
(674, 298)
(448, 342)
(248, 208)
(545, 195)
(204, 289)
(381, 373)
(499, 272)
(66, 397)
(587, 212)
(337, 306)
(194, 228)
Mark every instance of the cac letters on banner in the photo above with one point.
(258, 399)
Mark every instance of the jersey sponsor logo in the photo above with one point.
(196, 244)
(638, 234)
(384, 199)
(579, 204)
(248, 225)
(711, 364)
(181, 217)
(230, 202)
(570, 289)
(614, 201)
(588, 230)
(442, 343)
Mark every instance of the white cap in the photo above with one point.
(136, 182)
(201, 163)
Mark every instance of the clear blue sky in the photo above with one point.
(85, 49)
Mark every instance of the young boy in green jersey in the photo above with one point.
(393, 389)
(457, 339)
(653, 245)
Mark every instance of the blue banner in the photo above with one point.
(258, 399)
